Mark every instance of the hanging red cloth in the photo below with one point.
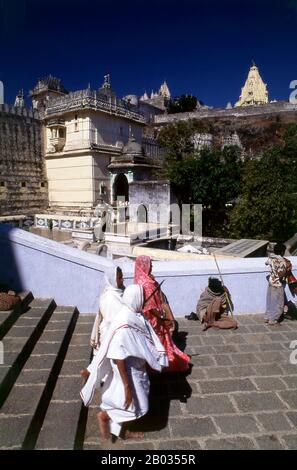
(153, 311)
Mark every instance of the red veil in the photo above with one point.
(150, 285)
(178, 361)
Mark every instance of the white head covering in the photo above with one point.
(111, 277)
(133, 297)
(109, 306)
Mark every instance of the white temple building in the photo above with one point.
(254, 91)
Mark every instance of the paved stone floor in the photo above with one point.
(241, 393)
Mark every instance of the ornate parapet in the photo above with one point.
(17, 111)
(64, 222)
(90, 99)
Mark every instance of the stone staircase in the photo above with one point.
(45, 346)
(241, 393)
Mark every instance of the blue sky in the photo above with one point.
(203, 47)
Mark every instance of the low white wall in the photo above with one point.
(51, 269)
(73, 277)
(244, 277)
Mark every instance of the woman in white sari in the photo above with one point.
(129, 344)
(109, 305)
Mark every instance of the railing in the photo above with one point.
(91, 100)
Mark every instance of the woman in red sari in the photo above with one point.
(155, 308)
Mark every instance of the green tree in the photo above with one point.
(265, 209)
(182, 104)
(211, 177)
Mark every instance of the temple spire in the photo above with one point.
(254, 91)
(19, 100)
(106, 83)
(164, 90)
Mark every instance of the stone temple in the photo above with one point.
(73, 149)
(254, 91)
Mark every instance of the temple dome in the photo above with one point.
(132, 147)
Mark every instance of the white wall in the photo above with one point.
(70, 180)
(106, 129)
(73, 277)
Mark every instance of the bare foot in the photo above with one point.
(132, 435)
(103, 421)
(85, 375)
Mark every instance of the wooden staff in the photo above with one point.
(226, 292)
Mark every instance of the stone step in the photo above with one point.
(66, 406)
(8, 318)
(20, 341)
(27, 403)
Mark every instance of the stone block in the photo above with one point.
(178, 445)
(13, 430)
(269, 383)
(80, 340)
(292, 415)
(291, 381)
(19, 332)
(236, 443)
(257, 338)
(186, 427)
(68, 388)
(73, 367)
(223, 386)
(274, 421)
(210, 405)
(290, 441)
(268, 370)
(271, 356)
(223, 359)
(53, 336)
(269, 442)
(61, 436)
(22, 400)
(253, 401)
(218, 372)
(290, 397)
(44, 361)
(212, 340)
(245, 358)
(28, 377)
(237, 424)
(203, 361)
(79, 352)
(14, 344)
(47, 348)
(242, 371)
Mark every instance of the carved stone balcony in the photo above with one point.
(57, 144)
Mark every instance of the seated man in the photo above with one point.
(213, 306)
(129, 344)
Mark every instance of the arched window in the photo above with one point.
(142, 216)
(121, 187)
